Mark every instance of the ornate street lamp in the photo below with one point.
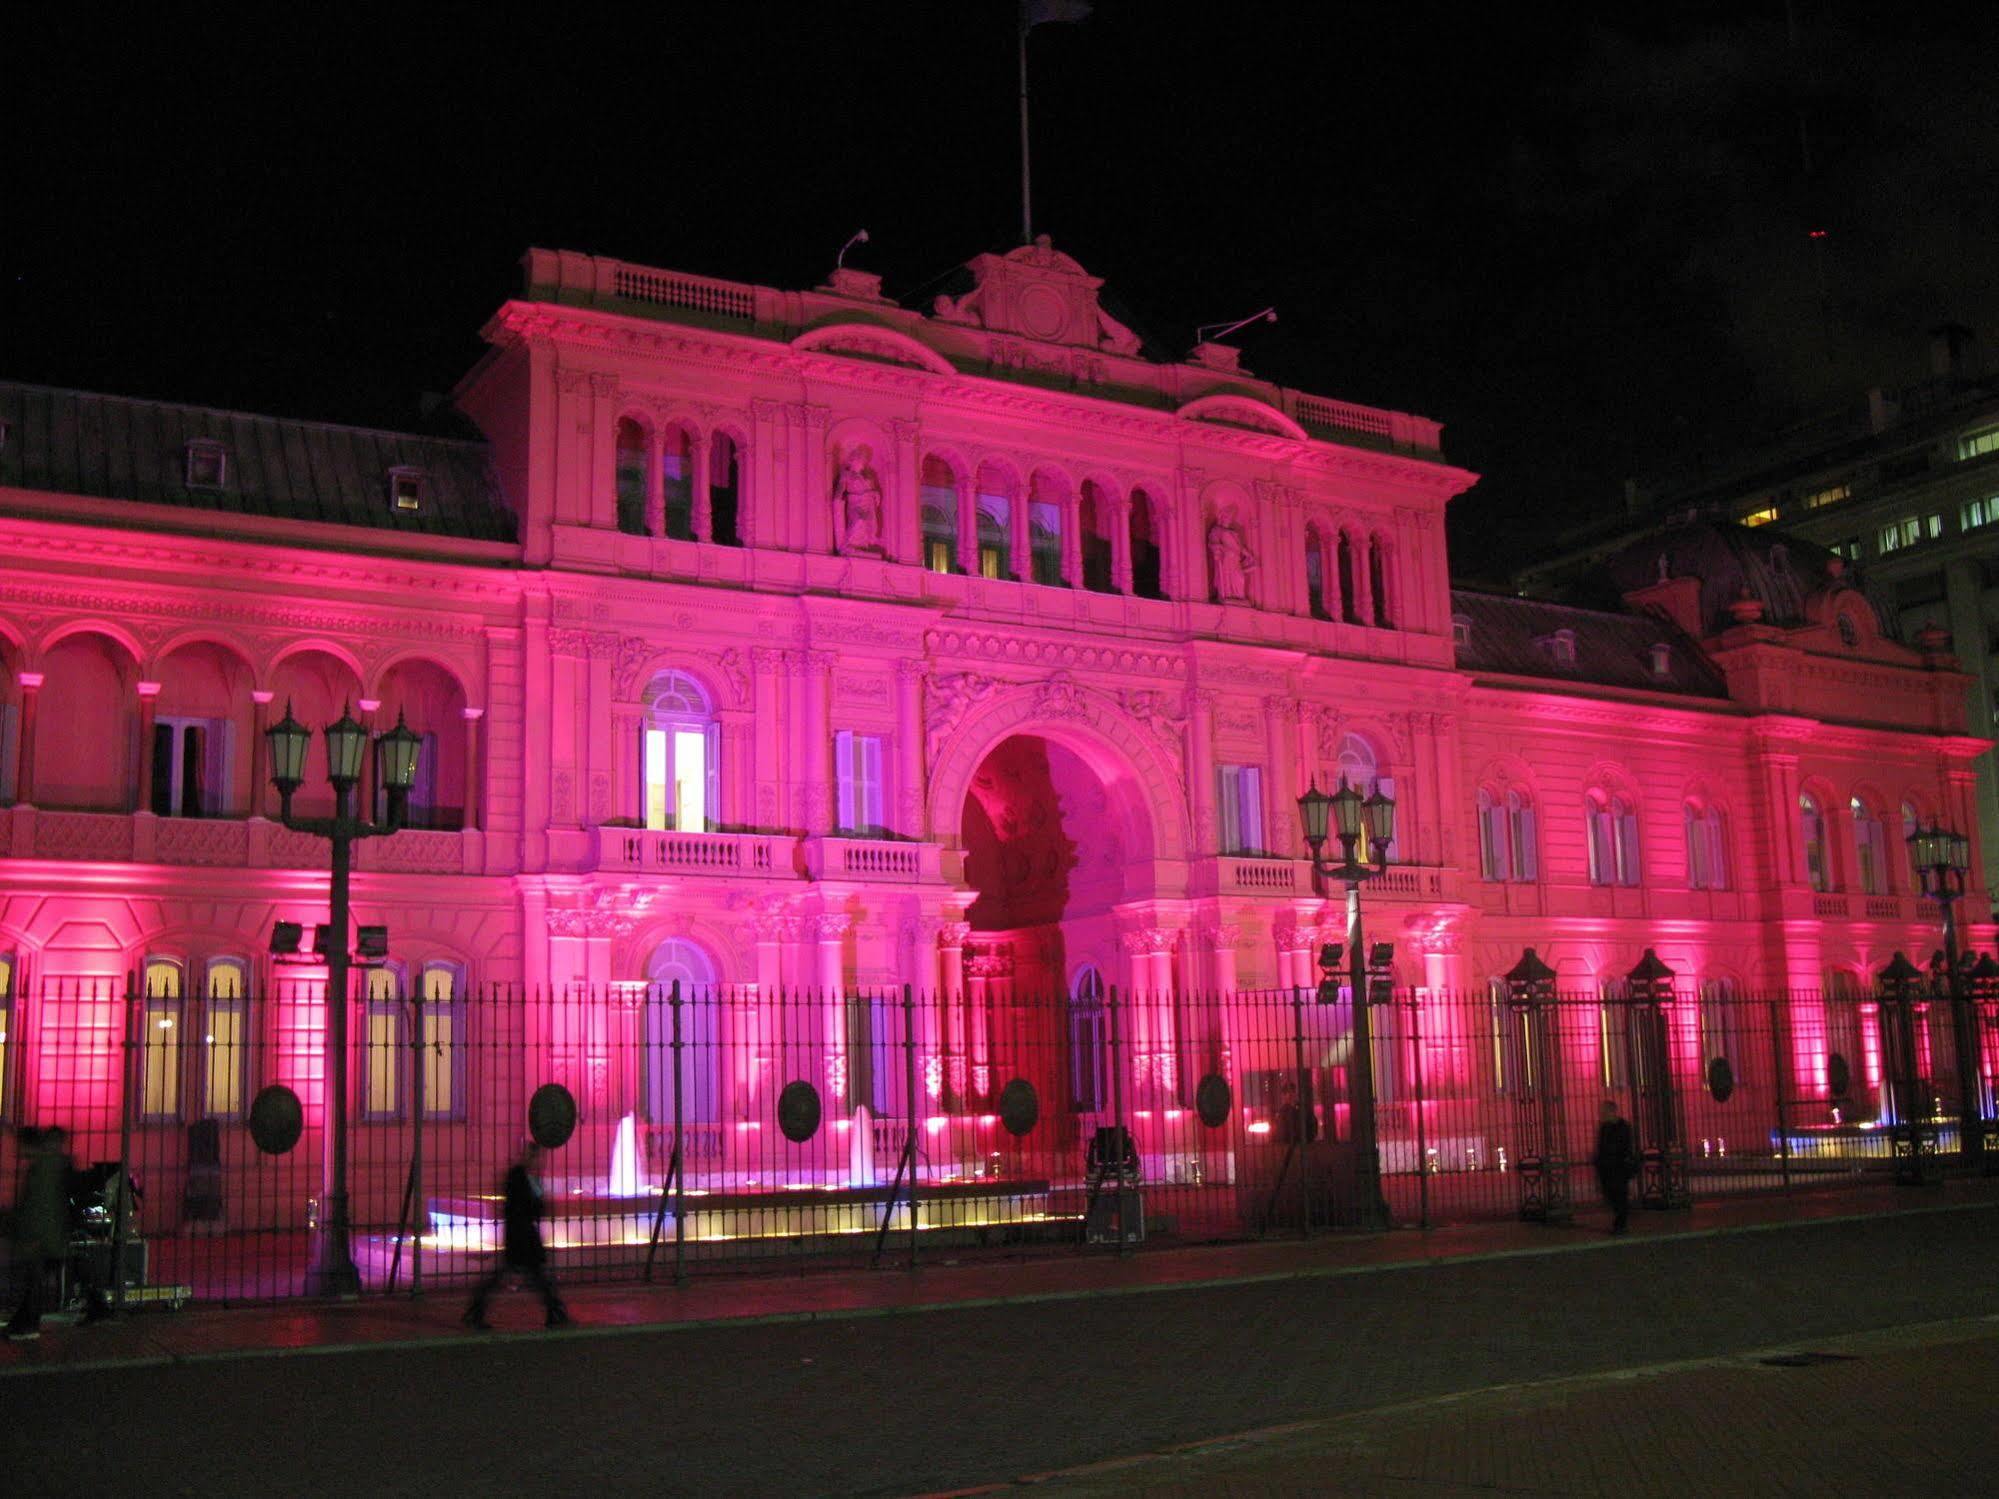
(331, 1270)
(1942, 858)
(1347, 814)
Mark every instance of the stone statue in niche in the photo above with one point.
(1230, 561)
(857, 504)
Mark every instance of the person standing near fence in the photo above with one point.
(1616, 1163)
(41, 1232)
(521, 1248)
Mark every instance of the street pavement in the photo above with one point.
(1433, 1376)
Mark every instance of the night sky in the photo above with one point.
(1580, 239)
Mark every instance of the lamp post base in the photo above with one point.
(330, 1269)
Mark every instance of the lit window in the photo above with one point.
(857, 769)
(206, 464)
(995, 517)
(443, 994)
(1978, 444)
(1975, 513)
(1761, 517)
(1870, 848)
(1832, 494)
(159, 1089)
(1907, 531)
(678, 757)
(1613, 1033)
(1240, 806)
(225, 1040)
(406, 488)
(1933, 526)
(1849, 549)
(940, 517)
(382, 1042)
(1811, 827)
(1044, 538)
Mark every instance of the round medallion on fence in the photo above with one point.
(1838, 1076)
(1019, 1107)
(551, 1116)
(1212, 1100)
(277, 1119)
(1720, 1080)
(798, 1111)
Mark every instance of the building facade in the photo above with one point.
(798, 639)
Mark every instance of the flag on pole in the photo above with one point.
(1034, 12)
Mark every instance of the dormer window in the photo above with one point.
(406, 486)
(1561, 647)
(3, 437)
(1460, 630)
(206, 464)
(1662, 659)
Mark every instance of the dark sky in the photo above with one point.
(1580, 239)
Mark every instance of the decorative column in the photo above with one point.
(24, 773)
(1072, 540)
(951, 939)
(1119, 521)
(1151, 1013)
(1223, 939)
(1201, 769)
(767, 669)
(814, 808)
(1363, 576)
(598, 745)
(968, 525)
(909, 787)
(261, 722)
(698, 447)
(765, 522)
(988, 971)
(655, 487)
(809, 472)
(902, 521)
(143, 781)
(1184, 565)
(831, 934)
(1020, 542)
(475, 790)
(1280, 823)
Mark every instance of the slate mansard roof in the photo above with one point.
(115, 447)
(1516, 637)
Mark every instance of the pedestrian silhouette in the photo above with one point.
(521, 1249)
(1616, 1163)
(42, 1233)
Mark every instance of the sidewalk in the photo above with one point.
(160, 1338)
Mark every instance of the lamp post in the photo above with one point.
(1346, 813)
(331, 1270)
(1942, 858)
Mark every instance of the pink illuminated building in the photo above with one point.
(798, 638)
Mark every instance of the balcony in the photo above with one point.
(223, 843)
(878, 861)
(646, 851)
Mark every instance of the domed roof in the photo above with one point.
(1779, 571)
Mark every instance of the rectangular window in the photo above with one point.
(1761, 516)
(381, 1042)
(857, 768)
(190, 766)
(443, 1043)
(1239, 808)
(1613, 1031)
(1492, 860)
(1978, 444)
(677, 779)
(1087, 1051)
(1044, 530)
(160, 1044)
(1832, 494)
(1849, 548)
(1905, 532)
(995, 517)
(1973, 514)
(940, 528)
(225, 1042)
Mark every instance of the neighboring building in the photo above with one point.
(1902, 484)
(779, 638)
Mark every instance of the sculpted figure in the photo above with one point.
(857, 503)
(1230, 561)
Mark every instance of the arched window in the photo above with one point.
(679, 746)
(160, 1074)
(1317, 573)
(725, 490)
(225, 1039)
(1870, 848)
(1046, 503)
(1494, 838)
(382, 1040)
(1147, 558)
(1358, 769)
(689, 965)
(1811, 827)
(993, 505)
(1613, 839)
(676, 483)
(1721, 1025)
(631, 477)
(1087, 1049)
(940, 516)
(1093, 532)
(1707, 853)
(444, 1053)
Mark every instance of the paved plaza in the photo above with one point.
(1601, 1367)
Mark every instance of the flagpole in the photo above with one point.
(1026, 197)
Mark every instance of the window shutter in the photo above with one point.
(877, 809)
(1488, 846)
(1595, 820)
(1717, 852)
(1524, 866)
(843, 774)
(1627, 847)
(1250, 786)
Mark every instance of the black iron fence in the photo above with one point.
(699, 1128)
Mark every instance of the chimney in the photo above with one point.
(1951, 350)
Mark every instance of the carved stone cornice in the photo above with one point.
(1151, 939)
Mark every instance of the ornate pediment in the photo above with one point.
(872, 341)
(1242, 411)
(1037, 292)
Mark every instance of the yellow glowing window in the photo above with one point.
(1761, 517)
(676, 779)
(159, 1076)
(225, 1041)
(441, 1038)
(1832, 494)
(382, 1029)
(1978, 444)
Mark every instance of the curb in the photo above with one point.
(576, 1333)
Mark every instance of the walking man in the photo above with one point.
(1616, 1163)
(521, 1246)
